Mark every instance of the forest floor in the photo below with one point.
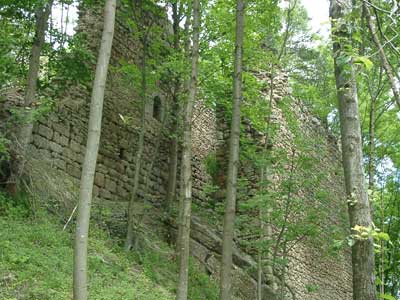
(36, 259)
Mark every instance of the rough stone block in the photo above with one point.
(99, 179)
(55, 147)
(40, 142)
(122, 192)
(102, 169)
(75, 146)
(124, 143)
(78, 137)
(68, 153)
(103, 193)
(74, 170)
(45, 131)
(60, 164)
(60, 139)
(44, 153)
(95, 191)
(110, 185)
(62, 129)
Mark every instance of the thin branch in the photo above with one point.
(70, 217)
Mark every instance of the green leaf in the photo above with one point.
(363, 60)
(383, 236)
(343, 60)
(387, 296)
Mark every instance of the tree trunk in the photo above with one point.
(25, 132)
(173, 161)
(230, 202)
(363, 259)
(385, 62)
(184, 223)
(260, 251)
(186, 45)
(80, 290)
(132, 238)
(173, 148)
(371, 162)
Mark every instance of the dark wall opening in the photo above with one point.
(157, 112)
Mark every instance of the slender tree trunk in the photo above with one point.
(184, 223)
(155, 154)
(173, 148)
(173, 160)
(371, 162)
(92, 147)
(132, 238)
(385, 62)
(290, 9)
(25, 131)
(284, 272)
(260, 251)
(148, 171)
(230, 202)
(363, 259)
(382, 244)
(186, 45)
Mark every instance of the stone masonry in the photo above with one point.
(61, 138)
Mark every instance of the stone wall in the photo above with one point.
(312, 273)
(61, 137)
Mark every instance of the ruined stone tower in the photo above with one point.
(60, 138)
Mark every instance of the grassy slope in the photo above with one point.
(36, 263)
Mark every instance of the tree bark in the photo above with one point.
(186, 45)
(132, 238)
(25, 132)
(371, 161)
(363, 260)
(80, 290)
(173, 162)
(173, 147)
(385, 62)
(230, 201)
(260, 255)
(184, 223)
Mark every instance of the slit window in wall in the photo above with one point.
(157, 112)
(121, 153)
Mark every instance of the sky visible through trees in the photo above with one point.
(318, 12)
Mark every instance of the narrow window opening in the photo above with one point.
(121, 153)
(157, 108)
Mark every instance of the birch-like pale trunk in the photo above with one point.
(173, 147)
(385, 62)
(24, 134)
(187, 52)
(80, 282)
(371, 162)
(184, 223)
(363, 257)
(231, 188)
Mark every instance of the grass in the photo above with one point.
(36, 263)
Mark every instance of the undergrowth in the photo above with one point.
(36, 262)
